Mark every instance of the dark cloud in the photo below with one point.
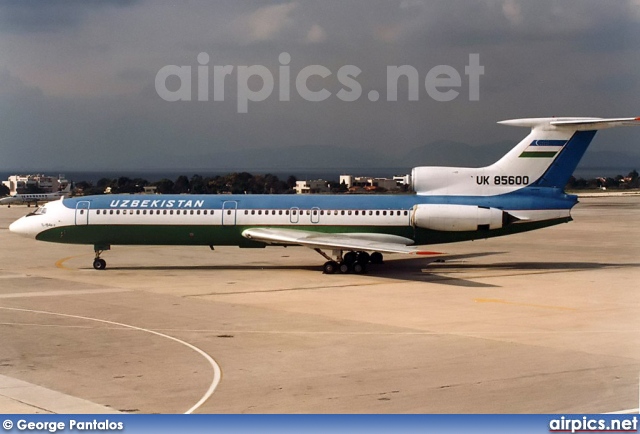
(49, 16)
(77, 77)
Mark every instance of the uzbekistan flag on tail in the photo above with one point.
(543, 149)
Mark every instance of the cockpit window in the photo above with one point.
(39, 211)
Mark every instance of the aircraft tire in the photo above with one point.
(99, 264)
(330, 267)
(350, 258)
(376, 258)
(363, 258)
(344, 268)
(359, 268)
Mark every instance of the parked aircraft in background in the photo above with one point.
(35, 198)
(523, 191)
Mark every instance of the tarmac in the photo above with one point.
(542, 322)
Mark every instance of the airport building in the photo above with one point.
(312, 187)
(369, 183)
(20, 184)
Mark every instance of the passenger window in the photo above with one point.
(384, 213)
(356, 212)
(349, 213)
(228, 212)
(280, 212)
(144, 212)
(198, 212)
(342, 212)
(81, 211)
(406, 213)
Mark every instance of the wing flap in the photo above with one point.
(382, 243)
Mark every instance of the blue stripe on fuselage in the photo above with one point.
(528, 198)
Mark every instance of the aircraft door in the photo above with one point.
(82, 213)
(229, 211)
(294, 215)
(315, 215)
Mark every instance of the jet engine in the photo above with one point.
(459, 218)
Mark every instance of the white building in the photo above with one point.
(312, 187)
(367, 182)
(22, 183)
(402, 179)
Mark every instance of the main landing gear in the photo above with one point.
(351, 262)
(98, 262)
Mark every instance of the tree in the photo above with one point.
(164, 186)
(635, 180)
(104, 183)
(198, 185)
(291, 182)
(182, 185)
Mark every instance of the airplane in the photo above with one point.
(523, 191)
(19, 199)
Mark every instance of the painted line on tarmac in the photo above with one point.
(60, 263)
(217, 373)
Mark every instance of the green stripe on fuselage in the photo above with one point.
(210, 235)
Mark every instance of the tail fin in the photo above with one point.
(549, 155)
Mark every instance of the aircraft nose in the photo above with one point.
(22, 227)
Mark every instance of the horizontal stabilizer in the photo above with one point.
(575, 124)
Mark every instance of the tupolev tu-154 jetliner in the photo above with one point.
(523, 191)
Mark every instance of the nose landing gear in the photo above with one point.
(98, 262)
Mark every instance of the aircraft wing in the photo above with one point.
(370, 242)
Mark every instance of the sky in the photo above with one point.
(79, 79)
